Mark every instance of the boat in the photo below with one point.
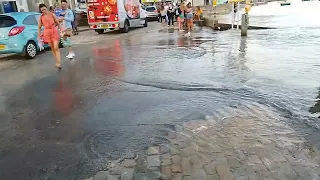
(285, 3)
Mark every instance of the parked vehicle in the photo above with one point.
(152, 12)
(19, 33)
(115, 14)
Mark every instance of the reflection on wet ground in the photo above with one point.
(123, 95)
(175, 79)
(109, 61)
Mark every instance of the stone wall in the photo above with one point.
(219, 9)
(210, 14)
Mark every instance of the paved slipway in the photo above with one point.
(241, 146)
(156, 104)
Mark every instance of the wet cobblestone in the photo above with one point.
(233, 149)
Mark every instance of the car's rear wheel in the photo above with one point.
(30, 50)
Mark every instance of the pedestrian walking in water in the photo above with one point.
(181, 17)
(189, 17)
(67, 17)
(166, 7)
(170, 14)
(163, 14)
(50, 33)
(159, 14)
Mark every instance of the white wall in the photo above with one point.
(22, 4)
(51, 2)
(33, 5)
(196, 2)
(71, 2)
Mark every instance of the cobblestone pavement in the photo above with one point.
(238, 147)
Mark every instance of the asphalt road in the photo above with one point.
(62, 124)
(122, 93)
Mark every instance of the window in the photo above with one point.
(30, 20)
(37, 17)
(7, 21)
(150, 9)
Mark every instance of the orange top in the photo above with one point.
(48, 21)
(50, 33)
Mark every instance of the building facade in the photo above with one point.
(13, 6)
(34, 4)
(28, 5)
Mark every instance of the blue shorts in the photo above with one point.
(189, 16)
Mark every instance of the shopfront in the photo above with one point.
(28, 5)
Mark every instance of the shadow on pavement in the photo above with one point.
(7, 57)
(116, 31)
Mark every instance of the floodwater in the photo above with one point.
(298, 15)
(123, 95)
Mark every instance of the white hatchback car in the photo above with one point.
(152, 12)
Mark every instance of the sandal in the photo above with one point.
(58, 66)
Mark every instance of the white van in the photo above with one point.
(115, 14)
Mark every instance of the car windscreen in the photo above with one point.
(150, 9)
(7, 21)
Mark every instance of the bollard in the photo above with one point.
(244, 24)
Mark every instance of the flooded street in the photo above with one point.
(124, 94)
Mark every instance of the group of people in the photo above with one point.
(166, 13)
(183, 14)
(57, 25)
